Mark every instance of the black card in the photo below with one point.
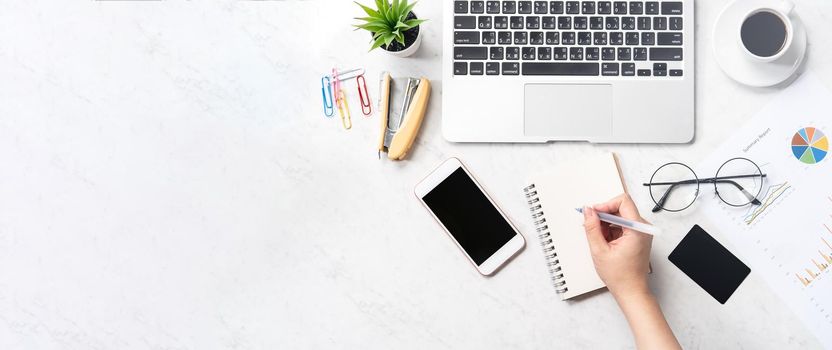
(709, 264)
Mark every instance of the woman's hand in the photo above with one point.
(621, 256)
(622, 260)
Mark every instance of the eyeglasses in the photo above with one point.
(674, 186)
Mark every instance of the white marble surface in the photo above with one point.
(169, 182)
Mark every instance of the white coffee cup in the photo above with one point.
(755, 24)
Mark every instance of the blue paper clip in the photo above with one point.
(326, 91)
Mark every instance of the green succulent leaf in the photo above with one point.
(388, 21)
(370, 12)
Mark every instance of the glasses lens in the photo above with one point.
(674, 187)
(738, 182)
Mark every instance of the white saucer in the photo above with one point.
(735, 62)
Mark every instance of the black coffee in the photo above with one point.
(763, 34)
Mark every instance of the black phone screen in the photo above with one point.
(709, 264)
(469, 216)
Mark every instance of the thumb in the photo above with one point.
(594, 233)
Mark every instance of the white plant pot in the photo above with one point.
(410, 49)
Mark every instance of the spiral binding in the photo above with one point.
(552, 262)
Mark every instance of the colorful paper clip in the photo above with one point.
(332, 84)
(343, 110)
(326, 92)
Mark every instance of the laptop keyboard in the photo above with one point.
(568, 38)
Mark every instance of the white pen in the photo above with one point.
(634, 225)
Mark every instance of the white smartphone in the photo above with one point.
(469, 216)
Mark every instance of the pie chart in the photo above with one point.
(810, 145)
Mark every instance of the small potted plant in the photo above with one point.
(394, 27)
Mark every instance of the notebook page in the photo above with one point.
(572, 184)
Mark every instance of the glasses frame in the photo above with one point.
(752, 199)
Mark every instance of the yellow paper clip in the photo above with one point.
(343, 109)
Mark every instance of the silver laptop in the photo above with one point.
(597, 71)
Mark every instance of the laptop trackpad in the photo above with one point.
(568, 111)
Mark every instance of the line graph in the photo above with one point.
(771, 195)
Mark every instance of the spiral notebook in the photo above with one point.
(553, 197)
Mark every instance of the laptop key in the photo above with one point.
(484, 22)
(669, 39)
(472, 38)
(643, 72)
(492, 68)
(465, 22)
(492, 7)
(560, 53)
(579, 23)
(631, 38)
(549, 22)
(504, 38)
(536, 38)
(564, 22)
(511, 68)
(671, 8)
(588, 7)
(659, 69)
(640, 54)
(596, 23)
(651, 8)
(567, 38)
(513, 53)
(560, 68)
(573, 7)
(532, 22)
(648, 38)
(516, 22)
(604, 8)
(675, 72)
(476, 68)
(584, 38)
(460, 6)
(521, 38)
(675, 23)
(541, 7)
(636, 7)
(592, 53)
(552, 38)
(628, 23)
(600, 38)
(495, 53)
(616, 38)
(460, 68)
(525, 7)
(470, 52)
(619, 7)
(489, 38)
(612, 23)
(576, 54)
(556, 7)
(624, 54)
(659, 23)
(528, 53)
(608, 54)
(628, 69)
(477, 6)
(544, 53)
(500, 22)
(665, 54)
(609, 69)
(643, 23)
(509, 7)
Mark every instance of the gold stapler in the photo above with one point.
(402, 105)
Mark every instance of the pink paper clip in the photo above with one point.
(363, 95)
(336, 84)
